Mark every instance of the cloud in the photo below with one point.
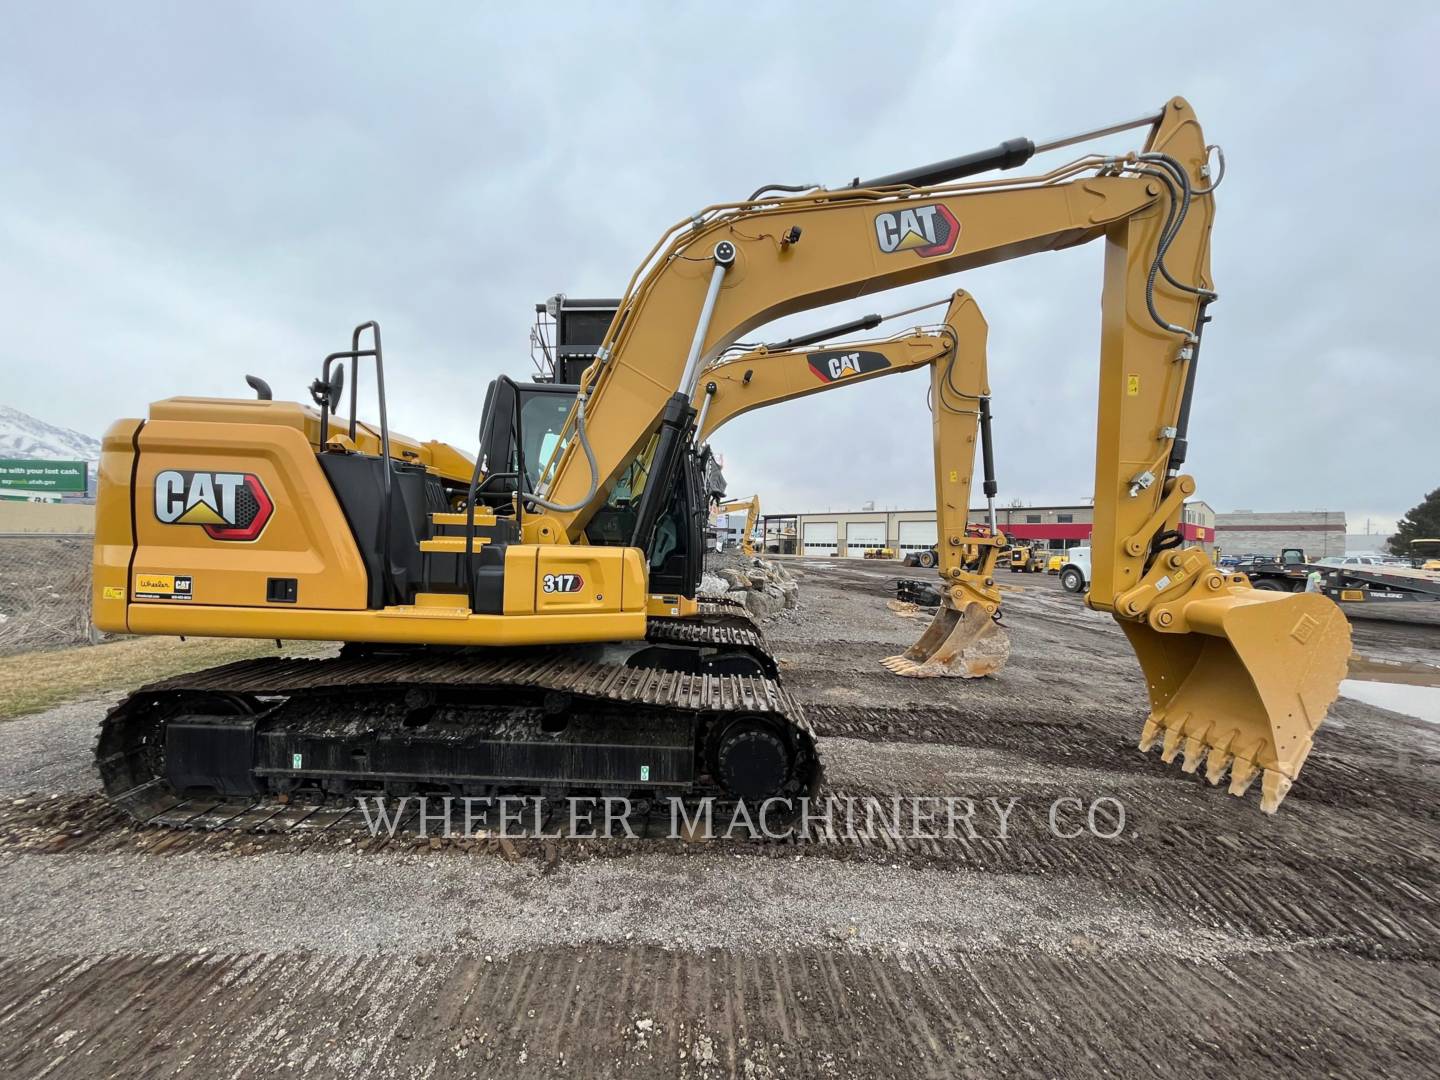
(196, 193)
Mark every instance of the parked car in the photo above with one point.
(1351, 560)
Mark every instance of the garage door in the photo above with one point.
(821, 537)
(917, 536)
(863, 535)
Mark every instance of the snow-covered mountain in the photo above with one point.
(22, 436)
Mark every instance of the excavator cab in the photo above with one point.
(521, 430)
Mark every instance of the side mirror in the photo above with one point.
(327, 395)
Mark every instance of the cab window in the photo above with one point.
(541, 418)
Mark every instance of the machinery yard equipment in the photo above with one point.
(751, 506)
(1283, 573)
(1379, 584)
(1421, 559)
(529, 622)
(1030, 558)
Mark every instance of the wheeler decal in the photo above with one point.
(164, 586)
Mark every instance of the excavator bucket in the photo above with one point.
(1245, 691)
(963, 643)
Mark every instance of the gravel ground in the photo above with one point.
(1205, 939)
(414, 904)
(51, 751)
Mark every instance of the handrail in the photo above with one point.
(355, 354)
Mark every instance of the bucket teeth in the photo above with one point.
(1273, 788)
(1149, 734)
(1275, 785)
(1217, 763)
(1242, 775)
(1172, 744)
(899, 665)
(1245, 686)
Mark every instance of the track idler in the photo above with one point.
(962, 641)
(1240, 679)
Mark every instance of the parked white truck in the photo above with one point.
(1075, 574)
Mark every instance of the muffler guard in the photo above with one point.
(964, 643)
(1246, 688)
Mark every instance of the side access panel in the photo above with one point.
(222, 510)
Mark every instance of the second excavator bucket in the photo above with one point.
(1244, 691)
(965, 643)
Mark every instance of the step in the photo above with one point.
(430, 606)
(482, 517)
(452, 545)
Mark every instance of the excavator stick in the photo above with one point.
(960, 642)
(1246, 688)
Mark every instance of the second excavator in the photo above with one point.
(751, 506)
(965, 638)
(529, 621)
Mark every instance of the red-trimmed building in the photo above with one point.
(854, 532)
(1069, 526)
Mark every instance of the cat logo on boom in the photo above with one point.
(227, 505)
(838, 364)
(926, 230)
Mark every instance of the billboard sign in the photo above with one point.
(44, 477)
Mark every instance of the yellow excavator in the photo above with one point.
(751, 506)
(529, 622)
(966, 638)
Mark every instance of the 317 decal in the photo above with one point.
(553, 583)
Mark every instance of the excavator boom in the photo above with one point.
(1241, 676)
(965, 638)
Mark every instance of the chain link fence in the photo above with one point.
(44, 591)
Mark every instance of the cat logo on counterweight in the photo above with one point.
(227, 505)
(926, 230)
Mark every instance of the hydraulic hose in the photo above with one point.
(1220, 173)
(1183, 207)
(1167, 236)
(780, 187)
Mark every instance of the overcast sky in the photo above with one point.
(190, 193)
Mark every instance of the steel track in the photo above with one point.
(129, 751)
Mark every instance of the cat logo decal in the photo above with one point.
(926, 230)
(227, 505)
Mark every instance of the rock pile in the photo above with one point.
(764, 586)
